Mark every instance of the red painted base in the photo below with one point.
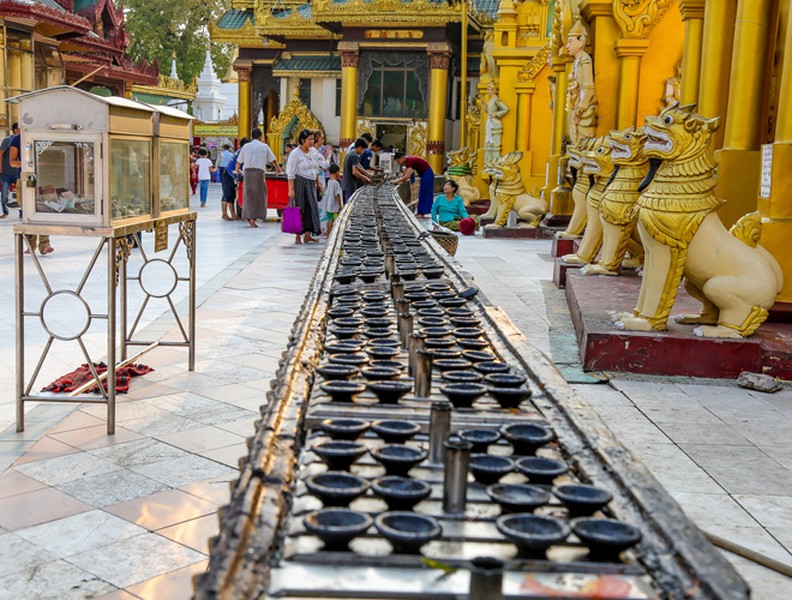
(560, 270)
(478, 208)
(551, 220)
(562, 247)
(677, 351)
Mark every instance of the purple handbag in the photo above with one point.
(291, 221)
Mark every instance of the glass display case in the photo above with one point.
(94, 161)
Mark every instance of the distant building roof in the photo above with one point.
(235, 19)
(327, 63)
(488, 7)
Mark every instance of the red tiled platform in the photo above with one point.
(523, 233)
(593, 299)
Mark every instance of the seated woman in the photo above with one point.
(449, 208)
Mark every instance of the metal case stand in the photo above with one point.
(115, 244)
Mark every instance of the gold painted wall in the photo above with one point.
(604, 33)
(660, 61)
(541, 123)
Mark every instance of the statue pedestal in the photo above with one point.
(560, 270)
(523, 233)
(593, 299)
(562, 246)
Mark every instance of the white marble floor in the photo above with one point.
(83, 514)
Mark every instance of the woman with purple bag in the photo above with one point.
(303, 183)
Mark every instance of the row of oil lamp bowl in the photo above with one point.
(532, 534)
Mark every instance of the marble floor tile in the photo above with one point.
(45, 448)
(17, 554)
(34, 431)
(693, 432)
(770, 511)
(111, 488)
(765, 584)
(13, 482)
(783, 535)
(141, 452)
(242, 427)
(117, 595)
(176, 585)
(201, 439)
(63, 469)
(182, 471)
(216, 492)
(144, 555)
(755, 538)
(95, 437)
(230, 392)
(163, 509)
(224, 414)
(227, 455)
(57, 580)
(194, 533)
(39, 506)
(714, 510)
(79, 533)
(159, 424)
(77, 420)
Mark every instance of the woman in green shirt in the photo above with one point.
(449, 208)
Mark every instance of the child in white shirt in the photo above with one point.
(332, 197)
(205, 170)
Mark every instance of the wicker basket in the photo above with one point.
(447, 241)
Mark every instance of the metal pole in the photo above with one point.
(405, 329)
(423, 373)
(122, 282)
(111, 335)
(455, 476)
(193, 247)
(486, 579)
(439, 426)
(416, 344)
(19, 272)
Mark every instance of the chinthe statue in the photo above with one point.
(460, 170)
(507, 193)
(581, 100)
(617, 210)
(496, 110)
(597, 163)
(580, 188)
(734, 278)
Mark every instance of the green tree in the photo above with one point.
(158, 29)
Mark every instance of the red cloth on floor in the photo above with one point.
(71, 381)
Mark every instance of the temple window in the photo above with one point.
(338, 98)
(393, 92)
(305, 92)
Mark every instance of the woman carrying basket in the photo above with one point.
(303, 183)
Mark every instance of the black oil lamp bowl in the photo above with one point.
(336, 488)
(532, 534)
(526, 438)
(345, 429)
(389, 392)
(606, 539)
(480, 438)
(401, 493)
(336, 527)
(488, 469)
(339, 454)
(398, 459)
(394, 431)
(406, 531)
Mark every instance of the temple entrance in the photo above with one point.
(392, 134)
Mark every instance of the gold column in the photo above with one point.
(524, 96)
(629, 52)
(439, 57)
(603, 33)
(27, 68)
(776, 206)
(739, 161)
(245, 100)
(349, 88)
(693, 16)
(560, 202)
(14, 82)
(716, 51)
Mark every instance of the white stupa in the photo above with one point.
(209, 102)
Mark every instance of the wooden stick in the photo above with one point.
(752, 555)
(88, 385)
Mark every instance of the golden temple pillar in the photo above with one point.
(716, 52)
(349, 85)
(739, 161)
(27, 68)
(629, 52)
(693, 16)
(603, 33)
(525, 93)
(245, 100)
(775, 190)
(560, 201)
(439, 58)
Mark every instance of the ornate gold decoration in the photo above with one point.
(460, 169)
(293, 25)
(683, 237)
(507, 193)
(617, 208)
(244, 36)
(416, 139)
(365, 126)
(531, 69)
(122, 251)
(187, 234)
(556, 34)
(160, 235)
(349, 58)
(439, 60)
(637, 18)
(596, 163)
(168, 86)
(393, 34)
(305, 119)
(397, 12)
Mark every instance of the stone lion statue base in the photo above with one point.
(508, 193)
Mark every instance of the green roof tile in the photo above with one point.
(309, 63)
(488, 7)
(235, 19)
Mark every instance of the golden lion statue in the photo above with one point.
(459, 169)
(580, 188)
(734, 278)
(507, 193)
(617, 209)
(597, 163)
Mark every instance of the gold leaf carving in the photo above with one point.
(637, 18)
(531, 69)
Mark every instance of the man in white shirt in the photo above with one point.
(253, 159)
